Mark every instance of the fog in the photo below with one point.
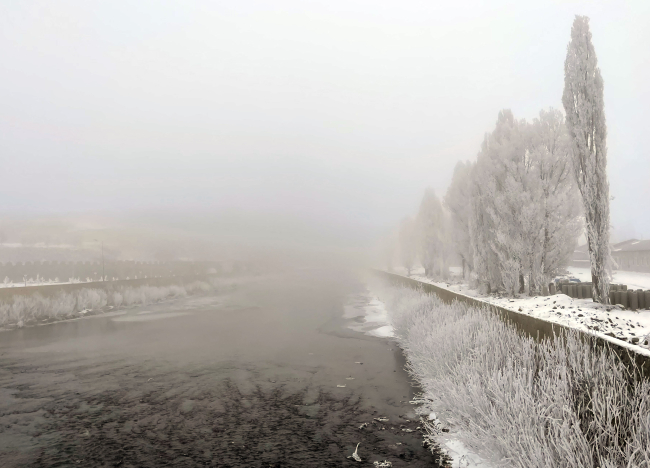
(286, 123)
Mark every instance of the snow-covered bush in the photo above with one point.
(62, 304)
(91, 299)
(116, 299)
(197, 286)
(560, 403)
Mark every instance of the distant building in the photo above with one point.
(631, 255)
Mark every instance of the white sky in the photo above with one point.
(342, 111)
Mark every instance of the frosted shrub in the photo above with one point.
(177, 291)
(5, 314)
(116, 299)
(197, 286)
(91, 299)
(133, 296)
(62, 304)
(556, 403)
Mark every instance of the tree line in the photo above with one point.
(513, 216)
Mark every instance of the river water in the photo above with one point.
(271, 372)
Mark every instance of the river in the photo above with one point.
(265, 373)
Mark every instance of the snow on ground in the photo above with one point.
(633, 279)
(368, 315)
(461, 456)
(623, 327)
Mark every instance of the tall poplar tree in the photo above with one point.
(585, 120)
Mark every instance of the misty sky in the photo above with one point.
(341, 111)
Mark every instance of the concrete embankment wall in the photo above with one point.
(49, 290)
(531, 326)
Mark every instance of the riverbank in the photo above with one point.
(33, 306)
(629, 329)
(510, 398)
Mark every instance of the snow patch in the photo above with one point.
(368, 315)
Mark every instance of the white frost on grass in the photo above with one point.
(517, 401)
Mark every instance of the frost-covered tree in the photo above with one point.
(523, 215)
(481, 230)
(504, 167)
(408, 243)
(557, 195)
(432, 234)
(585, 119)
(457, 202)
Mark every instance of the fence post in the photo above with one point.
(632, 299)
(641, 298)
(551, 289)
(624, 301)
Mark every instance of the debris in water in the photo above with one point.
(349, 378)
(381, 419)
(384, 464)
(355, 456)
(407, 430)
(357, 362)
(363, 425)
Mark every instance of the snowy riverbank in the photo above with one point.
(628, 328)
(35, 309)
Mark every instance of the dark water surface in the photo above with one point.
(243, 377)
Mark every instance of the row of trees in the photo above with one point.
(513, 216)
